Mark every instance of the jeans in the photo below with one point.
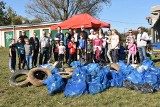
(109, 55)
(43, 53)
(28, 62)
(142, 53)
(12, 63)
(114, 55)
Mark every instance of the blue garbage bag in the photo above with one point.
(150, 78)
(92, 67)
(55, 70)
(147, 63)
(95, 86)
(75, 87)
(54, 83)
(99, 81)
(117, 79)
(136, 77)
(76, 64)
(49, 66)
(81, 73)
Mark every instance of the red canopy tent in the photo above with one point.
(78, 20)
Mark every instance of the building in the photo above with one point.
(14, 31)
(154, 21)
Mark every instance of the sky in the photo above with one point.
(121, 14)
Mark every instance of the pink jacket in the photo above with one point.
(132, 48)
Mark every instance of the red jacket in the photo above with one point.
(72, 47)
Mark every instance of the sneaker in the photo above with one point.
(12, 71)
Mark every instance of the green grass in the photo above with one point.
(37, 96)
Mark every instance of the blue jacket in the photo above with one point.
(20, 45)
(82, 43)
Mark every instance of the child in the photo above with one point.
(81, 46)
(72, 50)
(131, 51)
(121, 52)
(21, 54)
(28, 54)
(97, 45)
(89, 50)
(66, 41)
(55, 49)
(62, 51)
(12, 56)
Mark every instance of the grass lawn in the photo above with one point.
(37, 96)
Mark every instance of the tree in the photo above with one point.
(3, 14)
(55, 10)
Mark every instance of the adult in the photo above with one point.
(23, 36)
(66, 41)
(34, 41)
(142, 38)
(44, 48)
(59, 34)
(100, 30)
(92, 35)
(50, 47)
(130, 37)
(114, 45)
(109, 45)
(85, 36)
(71, 34)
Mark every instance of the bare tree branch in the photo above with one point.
(63, 9)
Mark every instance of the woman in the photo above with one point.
(114, 46)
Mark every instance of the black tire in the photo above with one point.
(65, 75)
(22, 83)
(37, 75)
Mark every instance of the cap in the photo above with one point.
(61, 41)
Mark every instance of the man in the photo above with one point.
(34, 41)
(59, 35)
(50, 47)
(23, 36)
(142, 38)
(44, 45)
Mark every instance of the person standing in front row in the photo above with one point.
(131, 51)
(114, 45)
(34, 41)
(66, 41)
(21, 54)
(72, 50)
(59, 35)
(28, 54)
(12, 56)
(44, 48)
(142, 38)
(50, 47)
(109, 45)
(62, 51)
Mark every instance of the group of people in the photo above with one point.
(71, 46)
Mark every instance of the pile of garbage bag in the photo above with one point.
(94, 78)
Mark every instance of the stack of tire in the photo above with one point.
(36, 76)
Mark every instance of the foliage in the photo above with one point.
(63, 9)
